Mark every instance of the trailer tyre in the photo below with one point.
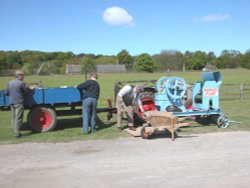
(42, 119)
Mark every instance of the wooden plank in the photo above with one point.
(136, 133)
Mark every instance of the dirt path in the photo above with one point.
(207, 160)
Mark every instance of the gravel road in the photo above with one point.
(206, 160)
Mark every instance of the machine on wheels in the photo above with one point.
(204, 98)
(173, 99)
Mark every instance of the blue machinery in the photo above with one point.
(204, 98)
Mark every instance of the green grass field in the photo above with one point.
(69, 128)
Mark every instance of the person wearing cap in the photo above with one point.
(17, 89)
(90, 91)
(126, 98)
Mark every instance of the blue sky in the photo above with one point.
(139, 26)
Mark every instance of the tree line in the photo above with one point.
(34, 62)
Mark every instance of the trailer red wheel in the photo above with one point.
(42, 119)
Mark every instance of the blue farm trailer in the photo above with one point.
(45, 104)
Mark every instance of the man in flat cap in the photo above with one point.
(125, 99)
(17, 89)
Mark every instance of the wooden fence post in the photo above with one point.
(241, 92)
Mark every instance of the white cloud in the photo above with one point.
(212, 18)
(117, 16)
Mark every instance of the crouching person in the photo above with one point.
(125, 99)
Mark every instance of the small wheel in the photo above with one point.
(222, 122)
(144, 134)
(42, 119)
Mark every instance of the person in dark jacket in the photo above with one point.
(90, 91)
(126, 98)
(17, 89)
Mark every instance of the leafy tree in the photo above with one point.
(87, 65)
(229, 59)
(144, 62)
(64, 56)
(3, 64)
(188, 62)
(32, 60)
(198, 60)
(170, 59)
(13, 60)
(125, 58)
(221, 62)
(211, 58)
(245, 60)
(28, 68)
(105, 60)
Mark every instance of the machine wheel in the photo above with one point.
(144, 134)
(176, 87)
(222, 122)
(42, 119)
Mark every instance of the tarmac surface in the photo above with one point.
(205, 160)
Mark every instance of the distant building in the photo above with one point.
(111, 68)
(73, 69)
